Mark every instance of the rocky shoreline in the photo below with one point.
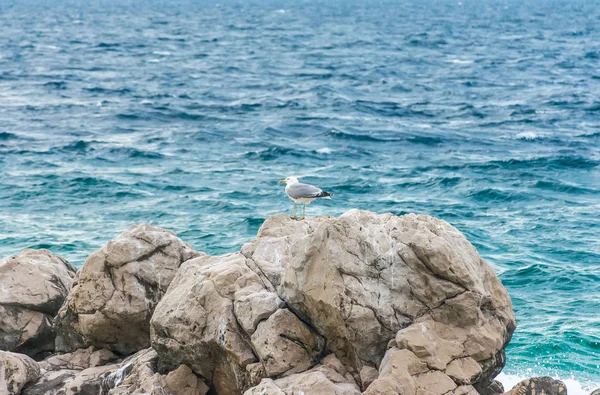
(364, 303)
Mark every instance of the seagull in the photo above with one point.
(302, 193)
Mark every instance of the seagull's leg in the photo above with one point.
(294, 217)
(303, 210)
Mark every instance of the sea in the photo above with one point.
(186, 114)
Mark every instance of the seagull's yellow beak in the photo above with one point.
(282, 181)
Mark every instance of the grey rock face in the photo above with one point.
(33, 286)
(117, 289)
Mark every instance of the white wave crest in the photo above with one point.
(324, 150)
(527, 136)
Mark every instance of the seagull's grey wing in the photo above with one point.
(299, 191)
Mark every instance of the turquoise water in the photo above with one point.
(186, 114)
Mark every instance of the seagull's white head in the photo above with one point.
(289, 180)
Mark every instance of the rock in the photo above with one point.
(367, 282)
(285, 344)
(397, 373)
(403, 372)
(494, 388)
(196, 324)
(368, 374)
(16, 371)
(596, 392)
(464, 370)
(77, 373)
(51, 383)
(539, 386)
(79, 360)
(435, 382)
(85, 382)
(183, 381)
(34, 284)
(118, 287)
(88, 372)
(465, 390)
(266, 387)
(138, 375)
(329, 377)
(256, 307)
(404, 303)
(425, 342)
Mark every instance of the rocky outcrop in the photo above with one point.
(365, 287)
(33, 286)
(117, 289)
(369, 303)
(16, 371)
(539, 386)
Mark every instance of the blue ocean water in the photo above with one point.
(185, 114)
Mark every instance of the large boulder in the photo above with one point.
(16, 371)
(405, 303)
(118, 287)
(373, 283)
(33, 284)
(217, 313)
